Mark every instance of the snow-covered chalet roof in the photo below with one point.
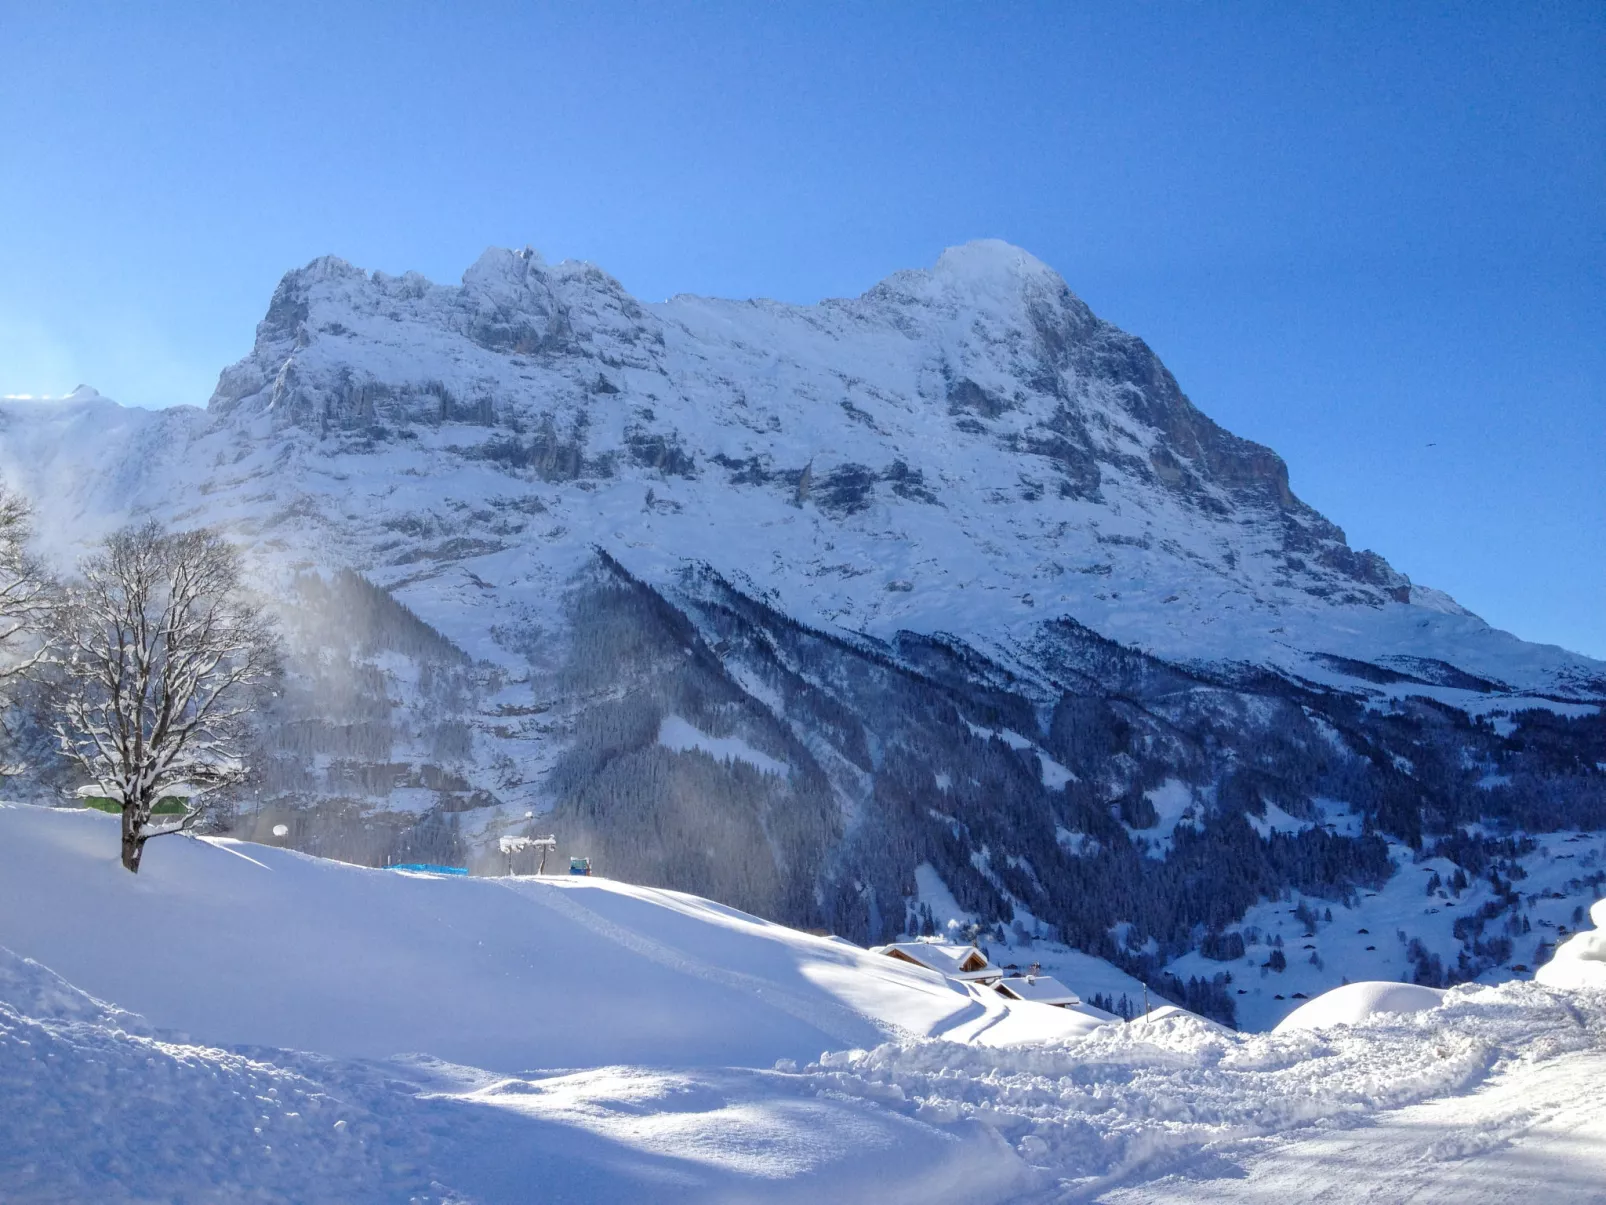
(1043, 989)
(965, 963)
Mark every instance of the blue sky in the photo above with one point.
(1370, 236)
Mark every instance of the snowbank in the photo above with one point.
(1580, 961)
(1357, 1003)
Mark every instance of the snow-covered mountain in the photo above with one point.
(941, 599)
(965, 449)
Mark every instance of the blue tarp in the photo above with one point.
(429, 869)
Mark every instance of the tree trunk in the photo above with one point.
(133, 838)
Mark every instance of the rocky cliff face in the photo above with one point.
(781, 604)
(983, 383)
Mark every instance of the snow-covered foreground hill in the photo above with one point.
(505, 974)
(356, 1036)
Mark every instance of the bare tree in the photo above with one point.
(25, 590)
(160, 662)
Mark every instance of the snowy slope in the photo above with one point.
(1536, 1131)
(1368, 937)
(620, 1074)
(500, 974)
(96, 1110)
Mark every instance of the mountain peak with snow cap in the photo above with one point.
(992, 259)
(988, 345)
(975, 405)
(988, 273)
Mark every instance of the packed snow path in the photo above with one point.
(674, 1017)
(1538, 1129)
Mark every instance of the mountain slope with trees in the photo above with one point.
(805, 607)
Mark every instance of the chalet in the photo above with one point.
(1040, 989)
(965, 963)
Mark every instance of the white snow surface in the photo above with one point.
(1363, 940)
(1580, 961)
(455, 967)
(1174, 804)
(367, 1036)
(1357, 1003)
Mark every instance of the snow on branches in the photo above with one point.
(160, 660)
(24, 589)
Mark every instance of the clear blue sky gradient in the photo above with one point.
(1370, 236)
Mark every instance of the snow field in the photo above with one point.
(504, 974)
(586, 1041)
(1536, 1132)
(681, 735)
(1357, 1003)
(95, 1112)
(1135, 1103)
(91, 1112)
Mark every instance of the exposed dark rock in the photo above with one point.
(845, 490)
(544, 453)
(967, 397)
(653, 450)
(751, 471)
(908, 483)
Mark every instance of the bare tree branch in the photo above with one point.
(160, 658)
(25, 590)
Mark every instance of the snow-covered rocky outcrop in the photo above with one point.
(965, 449)
(950, 575)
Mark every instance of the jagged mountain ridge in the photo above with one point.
(975, 452)
(949, 575)
(978, 406)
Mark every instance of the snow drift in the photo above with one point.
(1580, 961)
(1357, 1003)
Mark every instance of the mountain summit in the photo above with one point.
(977, 406)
